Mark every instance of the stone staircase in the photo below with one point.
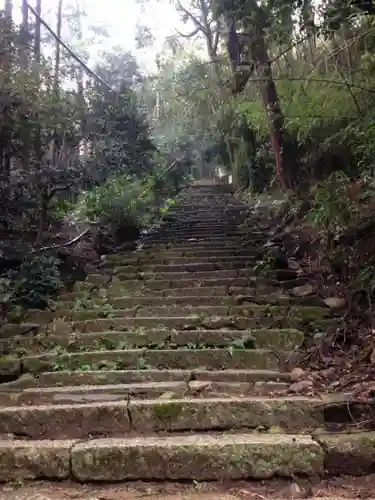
(173, 363)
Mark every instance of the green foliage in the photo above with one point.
(33, 283)
(332, 208)
(119, 197)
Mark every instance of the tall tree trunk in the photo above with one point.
(38, 138)
(80, 89)
(307, 12)
(284, 158)
(37, 59)
(56, 79)
(24, 36)
(257, 62)
(5, 127)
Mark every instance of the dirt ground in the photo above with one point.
(343, 488)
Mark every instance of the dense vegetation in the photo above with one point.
(277, 93)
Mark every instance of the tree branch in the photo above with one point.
(193, 18)
(67, 244)
(69, 50)
(189, 35)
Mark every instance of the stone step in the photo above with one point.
(186, 264)
(175, 322)
(233, 236)
(304, 313)
(118, 419)
(171, 275)
(61, 327)
(179, 239)
(178, 298)
(191, 227)
(222, 287)
(142, 287)
(153, 338)
(166, 390)
(182, 257)
(113, 377)
(100, 279)
(216, 222)
(218, 457)
(215, 359)
(187, 267)
(117, 291)
(196, 246)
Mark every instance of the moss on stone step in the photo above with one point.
(23, 460)
(287, 414)
(9, 366)
(96, 377)
(164, 358)
(197, 457)
(157, 339)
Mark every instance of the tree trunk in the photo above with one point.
(56, 78)
(257, 62)
(37, 57)
(307, 12)
(24, 36)
(5, 128)
(80, 90)
(285, 161)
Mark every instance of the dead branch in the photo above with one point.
(62, 245)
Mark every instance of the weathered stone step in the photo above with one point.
(118, 291)
(99, 279)
(191, 267)
(154, 338)
(186, 323)
(191, 227)
(182, 257)
(117, 419)
(214, 222)
(165, 391)
(161, 259)
(217, 236)
(187, 265)
(238, 286)
(60, 327)
(193, 299)
(102, 393)
(169, 274)
(304, 313)
(111, 377)
(225, 456)
(195, 245)
(215, 359)
(181, 239)
(157, 286)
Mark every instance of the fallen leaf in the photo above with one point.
(295, 491)
(198, 386)
(297, 374)
(302, 385)
(335, 302)
(303, 291)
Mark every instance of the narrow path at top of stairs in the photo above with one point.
(173, 363)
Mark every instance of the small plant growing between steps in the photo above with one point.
(142, 364)
(102, 305)
(262, 267)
